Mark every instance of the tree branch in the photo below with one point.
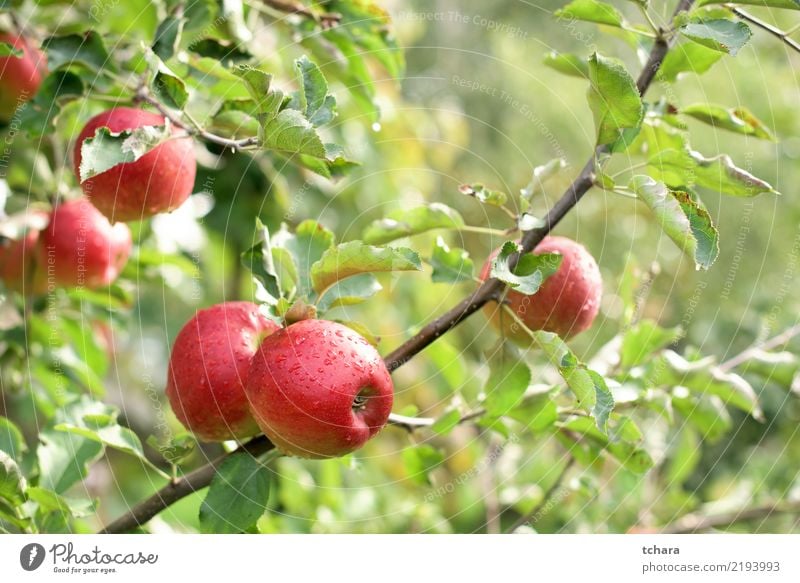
(694, 523)
(488, 291)
(325, 19)
(773, 30)
(774, 342)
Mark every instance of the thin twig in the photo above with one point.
(490, 290)
(554, 487)
(773, 30)
(325, 19)
(695, 523)
(775, 342)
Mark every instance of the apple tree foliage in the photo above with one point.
(287, 102)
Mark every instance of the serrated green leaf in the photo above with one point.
(450, 265)
(737, 119)
(613, 98)
(721, 174)
(726, 36)
(290, 132)
(530, 272)
(306, 246)
(107, 149)
(164, 83)
(319, 106)
(237, 496)
(63, 457)
(405, 223)
(683, 218)
(355, 257)
(590, 11)
(268, 102)
(347, 292)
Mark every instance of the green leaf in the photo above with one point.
(306, 246)
(722, 175)
(420, 461)
(683, 457)
(687, 57)
(682, 217)
(613, 98)
(8, 50)
(12, 482)
(737, 119)
(509, 378)
(237, 496)
(707, 415)
(57, 90)
(11, 440)
(541, 174)
(530, 272)
(536, 412)
(450, 265)
(588, 386)
(702, 377)
(782, 368)
(268, 101)
(168, 37)
(726, 36)
(644, 339)
(107, 149)
(87, 50)
(319, 106)
(405, 223)
(292, 133)
(164, 83)
(590, 11)
(259, 260)
(568, 64)
(446, 422)
(629, 455)
(788, 4)
(355, 257)
(347, 292)
(485, 195)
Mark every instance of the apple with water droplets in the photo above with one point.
(318, 389)
(208, 369)
(568, 301)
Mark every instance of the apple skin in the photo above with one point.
(209, 366)
(158, 182)
(18, 262)
(303, 385)
(79, 247)
(20, 77)
(568, 301)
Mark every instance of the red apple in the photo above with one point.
(21, 76)
(209, 366)
(568, 301)
(80, 247)
(158, 182)
(318, 389)
(18, 260)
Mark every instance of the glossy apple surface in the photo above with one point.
(20, 76)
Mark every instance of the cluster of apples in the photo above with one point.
(316, 388)
(84, 241)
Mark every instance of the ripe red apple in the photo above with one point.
(568, 301)
(158, 182)
(208, 369)
(80, 247)
(318, 389)
(21, 76)
(18, 260)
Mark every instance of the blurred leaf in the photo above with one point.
(87, 50)
(350, 291)
(484, 195)
(613, 98)
(722, 175)
(789, 4)
(355, 257)
(644, 339)
(168, 36)
(782, 368)
(8, 50)
(530, 272)
(568, 64)
(446, 422)
(404, 223)
(687, 58)
(509, 377)
(684, 455)
(727, 36)
(12, 482)
(41, 113)
(237, 496)
(420, 461)
(11, 440)
(541, 174)
(536, 412)
(107, 149)
(706, 414)
(450, 265)
(736, 119)
(590, 11)
(682, 217)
